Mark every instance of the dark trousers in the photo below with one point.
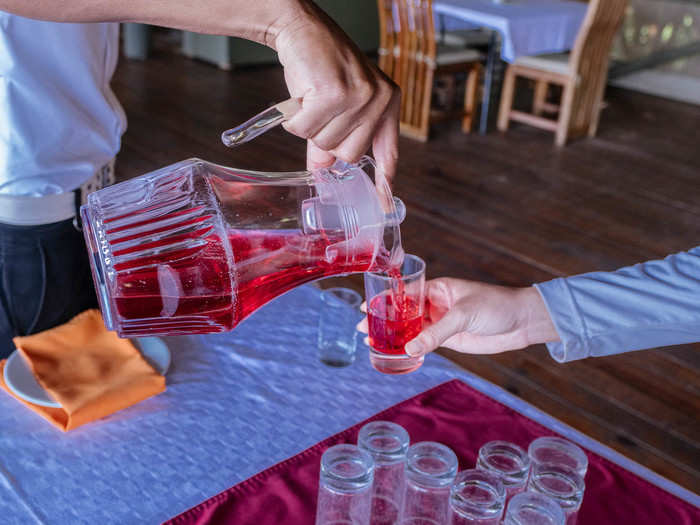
(45, 279)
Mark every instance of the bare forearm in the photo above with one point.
(259, 20)
(347, 105)
(535, 319)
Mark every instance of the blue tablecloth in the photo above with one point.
(527, 27)
(236, 404)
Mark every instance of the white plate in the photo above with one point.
(23, 384)
(155, 352)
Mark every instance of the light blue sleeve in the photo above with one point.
(656, 303)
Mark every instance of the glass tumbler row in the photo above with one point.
(384, 480)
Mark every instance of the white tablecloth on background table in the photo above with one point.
(235, 404)
(527, 27)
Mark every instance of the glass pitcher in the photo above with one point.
(196, 247)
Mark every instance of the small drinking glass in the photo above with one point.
(562, 484)
(476, 498)
(508, 461)
(430, 471)
(395, 306)
(558, 451)
(337, 335)
(387, 443)
(345, 486)
(533, 508)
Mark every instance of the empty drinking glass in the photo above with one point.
(533, 508)
(395, 306)
(558, 451)
(430, 471)
(337, 335)
(562, 484)
(345, 486)
(508, 461)
(387, 443)
(476, 498)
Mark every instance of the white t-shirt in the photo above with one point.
(59, 119)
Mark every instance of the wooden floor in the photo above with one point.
(504, 209)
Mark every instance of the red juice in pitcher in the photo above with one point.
(268, 263)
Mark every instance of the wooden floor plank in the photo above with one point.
(607, 397)
(674, 385)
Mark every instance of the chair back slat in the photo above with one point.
(408, 53)
(417, 50)
(590, 58)
(428, 52)
(406, 58)
(387, 36)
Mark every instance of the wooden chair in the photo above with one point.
(410, 55)
(388, 37)
(582, 74)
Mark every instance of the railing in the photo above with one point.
(658, 34)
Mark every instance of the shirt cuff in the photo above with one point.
(568, 321)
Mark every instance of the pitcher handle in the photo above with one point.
(260, 123)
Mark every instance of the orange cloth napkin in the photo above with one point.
(89, 370)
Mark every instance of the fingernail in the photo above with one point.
(413, 348)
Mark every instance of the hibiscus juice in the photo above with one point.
(197, 290)
(393, 320)
(395, 314)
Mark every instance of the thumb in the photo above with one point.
(436, 334)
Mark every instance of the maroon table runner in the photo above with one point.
(463, 419)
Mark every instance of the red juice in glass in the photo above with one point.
(393, 321)
(395, 315)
